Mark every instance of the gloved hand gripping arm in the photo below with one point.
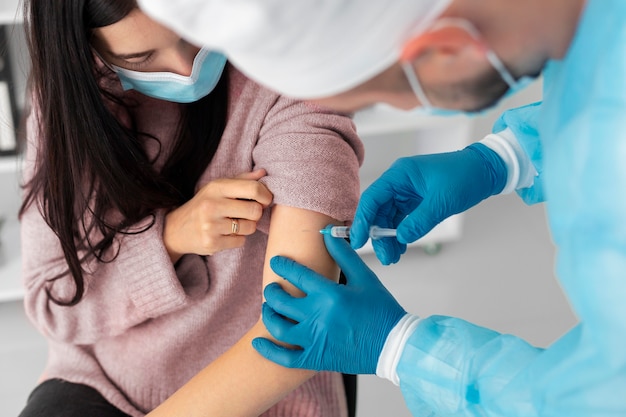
(340, 328)
(419, 192)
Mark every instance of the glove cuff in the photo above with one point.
(394, 346)
(520, 170)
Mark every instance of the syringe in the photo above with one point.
(344, 232)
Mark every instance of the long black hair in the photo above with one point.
(89, 164)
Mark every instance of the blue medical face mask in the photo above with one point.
(206, 72)
(492, 58)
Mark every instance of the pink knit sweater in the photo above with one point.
(144, 328)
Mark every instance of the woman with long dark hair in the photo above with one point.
(159, 181)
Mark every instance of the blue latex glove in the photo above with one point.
(419, 192)
(340, 328)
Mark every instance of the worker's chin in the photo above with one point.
(404, 106)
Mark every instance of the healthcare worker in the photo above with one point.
(567, 150)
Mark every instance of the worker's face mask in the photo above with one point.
(492, 58)
(206, 72)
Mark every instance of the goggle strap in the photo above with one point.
(502, 70)
(409, 71)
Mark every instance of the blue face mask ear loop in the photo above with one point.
(414, 82)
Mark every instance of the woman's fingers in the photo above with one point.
(253, 175)
(220, 216)
(242, 199)
(241, 189)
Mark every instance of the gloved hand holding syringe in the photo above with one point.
(376, 232)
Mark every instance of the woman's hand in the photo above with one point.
(218, 217)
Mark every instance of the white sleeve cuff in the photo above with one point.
(520, 171)
(394, 346)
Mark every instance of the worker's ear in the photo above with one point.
(451, 40)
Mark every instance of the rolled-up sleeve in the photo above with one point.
(312, 157)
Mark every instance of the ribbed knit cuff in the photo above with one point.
(520, 170)
(394, 346)
(150, 277)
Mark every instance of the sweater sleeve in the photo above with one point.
(523, 124)
(312, 157)
(132, 286)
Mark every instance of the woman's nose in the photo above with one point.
(182, 60)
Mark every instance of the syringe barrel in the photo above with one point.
(380, 232)
(340, 231)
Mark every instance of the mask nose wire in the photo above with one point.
(414, 82)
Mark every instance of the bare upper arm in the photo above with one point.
(294, 233)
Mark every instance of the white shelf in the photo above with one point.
(378, 119)
(9, 164)
(11, 288)
(10, 12)
(10, 263)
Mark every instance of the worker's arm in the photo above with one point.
(241, 382)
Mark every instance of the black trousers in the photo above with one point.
(57, 398)
(349, 381)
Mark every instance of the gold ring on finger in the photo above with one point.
(234, 226)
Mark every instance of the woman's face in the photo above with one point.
(139, 43)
